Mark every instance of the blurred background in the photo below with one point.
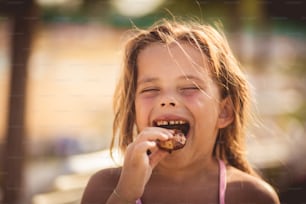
(59, 63)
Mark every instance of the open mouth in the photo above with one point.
(181, 125)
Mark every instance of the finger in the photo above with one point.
(152, 149)
(154, 133)
(157, 156)
(145, 147)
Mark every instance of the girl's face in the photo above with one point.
(174, 84)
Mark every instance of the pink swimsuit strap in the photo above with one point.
(222, 183)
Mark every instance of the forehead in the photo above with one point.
(179, 49)
(171, 58)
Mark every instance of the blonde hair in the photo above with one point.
(225, 71)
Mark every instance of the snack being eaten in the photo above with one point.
(180, 128)
(178, 141)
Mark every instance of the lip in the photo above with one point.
(169, 117)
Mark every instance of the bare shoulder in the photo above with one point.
(244, 188)
(100, 186)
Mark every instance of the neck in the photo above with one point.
(185, 170)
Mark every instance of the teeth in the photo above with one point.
(171, 122)
(162, 122)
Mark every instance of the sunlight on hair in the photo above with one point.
(199, 68)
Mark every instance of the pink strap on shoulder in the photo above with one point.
(222, 184)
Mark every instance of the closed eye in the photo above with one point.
(188, 90)
(149, 90)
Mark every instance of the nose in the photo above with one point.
(168, 102)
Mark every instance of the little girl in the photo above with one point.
(180, 76)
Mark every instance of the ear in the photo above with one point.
(226, 115)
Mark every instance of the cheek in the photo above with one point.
(142, 109)
(138, 113)
(197, 102)
(204, 109)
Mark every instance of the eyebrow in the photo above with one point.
(147, 80)
(185, 77)
(191, 77)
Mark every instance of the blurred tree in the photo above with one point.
(92, 3)
(23, 16)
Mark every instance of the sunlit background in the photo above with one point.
(74, 63)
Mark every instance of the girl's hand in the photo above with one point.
(138, 164)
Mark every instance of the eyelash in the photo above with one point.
(183, 89)
(190, 88)
(149, 90)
